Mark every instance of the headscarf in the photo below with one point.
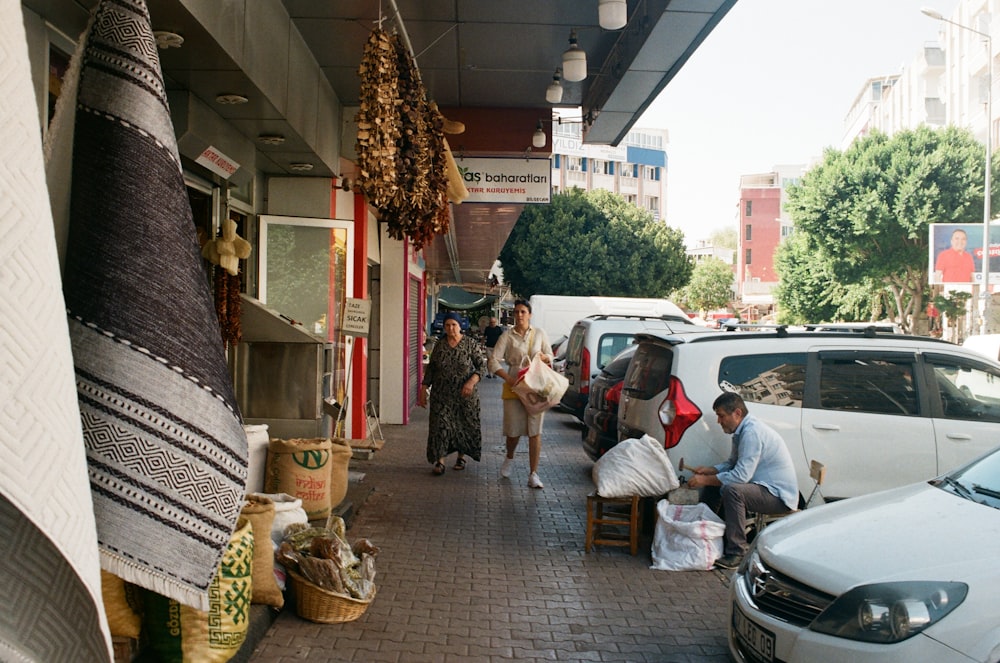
(453, 316)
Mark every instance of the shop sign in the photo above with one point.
(217, 162)
(356, 315)
(507, 180)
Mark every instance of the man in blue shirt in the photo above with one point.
(758, 476)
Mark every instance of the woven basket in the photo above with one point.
(321, 605)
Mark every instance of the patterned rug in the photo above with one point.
(50, 583)
(165, 445)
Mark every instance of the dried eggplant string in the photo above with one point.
(401, 149)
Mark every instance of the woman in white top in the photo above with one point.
(515, 348)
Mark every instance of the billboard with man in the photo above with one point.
(956, 253)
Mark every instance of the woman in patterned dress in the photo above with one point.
(450, 382)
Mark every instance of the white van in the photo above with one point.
(557, 314)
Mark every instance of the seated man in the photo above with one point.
(758, 476)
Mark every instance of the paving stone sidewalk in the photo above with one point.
(474, 567)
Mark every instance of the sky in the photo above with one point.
(771, 85)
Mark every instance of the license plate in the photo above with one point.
(756, 641)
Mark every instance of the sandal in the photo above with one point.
(438, 469)
(459, 464)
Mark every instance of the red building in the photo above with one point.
(763, 225)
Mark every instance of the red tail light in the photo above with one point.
(585, 372)
(614, 395)
(677, 413)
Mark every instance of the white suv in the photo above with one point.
(878, 410)
(597, 339)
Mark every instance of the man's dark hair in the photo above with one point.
(523, 302)
(729, 402)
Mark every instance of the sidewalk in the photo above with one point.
(474, 567)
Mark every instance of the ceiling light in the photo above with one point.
(231, 99)
(165, 40)
(538, 138)
(612, 14)
(574, 60)
(554, 92)
(301, 167)
(271, 139)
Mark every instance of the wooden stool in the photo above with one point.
(613, 521)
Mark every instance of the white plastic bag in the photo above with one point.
(637, 466)
(688, 537)
(539, 387)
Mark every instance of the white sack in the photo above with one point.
(637, 466)
(687, 537)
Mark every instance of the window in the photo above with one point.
(574, 163)
(653, 204)
(747, 232)
(628, 170)
(749, 208)
(786, 230)
(775, 379)
(968, 391)
(610, 345)
(748, 256)
(862, 383)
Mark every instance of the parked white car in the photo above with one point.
(907, 575)
(879, 410)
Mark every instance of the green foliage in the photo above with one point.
(726, 238)
(861, 221)
(953, 305)
(711, 285)
(593, 244)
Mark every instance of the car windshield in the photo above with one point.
(979, 482)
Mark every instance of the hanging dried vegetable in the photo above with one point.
(228, 305)
(409, 190)
(378, 120)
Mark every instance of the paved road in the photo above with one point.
(474, 567)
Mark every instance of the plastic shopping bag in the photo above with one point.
(539, 387)
(687, 537)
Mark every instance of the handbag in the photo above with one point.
(540, 387)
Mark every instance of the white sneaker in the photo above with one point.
(534, 481)
(508, 465)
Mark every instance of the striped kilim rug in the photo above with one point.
(165, 444)
(50, 582)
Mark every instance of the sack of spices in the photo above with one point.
(301, 468)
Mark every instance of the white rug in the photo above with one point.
(50, 584)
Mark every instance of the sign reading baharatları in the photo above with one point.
(507, 180)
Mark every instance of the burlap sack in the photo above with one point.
(301, 468)
(179, 634)
(259, 510)
(340, 458)
(122, 605)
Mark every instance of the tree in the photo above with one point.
(726, 238)
(594, 244)
(865, 213)
(711, 285)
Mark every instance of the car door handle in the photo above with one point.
(826, 426)
(961, 437)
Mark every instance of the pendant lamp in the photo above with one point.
(554, 92)
(574, 60)
(538, 138)
(612, 14)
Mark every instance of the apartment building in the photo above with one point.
(636, 169)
